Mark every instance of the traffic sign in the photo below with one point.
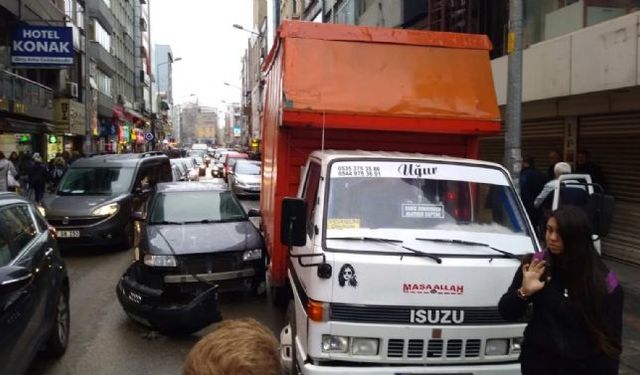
(148, 136)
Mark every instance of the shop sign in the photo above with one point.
(237, 130)
(23, 138)
(42, 46)
(70, 114)
(53, 139)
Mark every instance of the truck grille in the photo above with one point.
(435, 348)
(402, 314)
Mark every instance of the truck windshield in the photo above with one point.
(407, 200)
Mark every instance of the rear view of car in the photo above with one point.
(229, 161)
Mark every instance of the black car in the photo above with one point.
(195, 238)
(93, 203)
(34, 287)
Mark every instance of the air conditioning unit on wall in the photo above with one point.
(73, 89)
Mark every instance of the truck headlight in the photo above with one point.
(364, 346)
(254, 254)
(106, 210)
(160, 260)
(335, 344)
(497, 347)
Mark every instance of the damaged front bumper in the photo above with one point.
(153, 306)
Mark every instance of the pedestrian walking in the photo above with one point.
(25, 165)
(242, 346)
(531, 184)
(554, 158)
(56, 170)
(6, 169)
(38, 178)
(575, 326)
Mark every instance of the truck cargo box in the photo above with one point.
(348, 87)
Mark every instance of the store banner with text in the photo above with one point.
(42, 46)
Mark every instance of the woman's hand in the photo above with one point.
(531, 275)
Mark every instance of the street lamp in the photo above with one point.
(239, 27)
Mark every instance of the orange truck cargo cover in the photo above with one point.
(352, 87)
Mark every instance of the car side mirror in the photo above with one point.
(293, 226)
(139, 216)
(600, 211)
(13, 278)
(254, 212)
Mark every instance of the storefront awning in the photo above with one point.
(10, 125)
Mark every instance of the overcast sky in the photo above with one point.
(201, 32)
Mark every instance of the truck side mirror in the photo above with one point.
(600, 211)
(293, 226)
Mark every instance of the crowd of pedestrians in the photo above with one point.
(27, 173)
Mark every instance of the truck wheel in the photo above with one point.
(291, 320)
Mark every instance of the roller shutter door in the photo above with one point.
(614, 144)
(538, 138)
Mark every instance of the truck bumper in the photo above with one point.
(502, 369)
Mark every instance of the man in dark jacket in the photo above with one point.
(38, 178)
(584, 165)
(531, 183)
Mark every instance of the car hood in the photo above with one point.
(74, 205)
(248, 178)
(203, 238)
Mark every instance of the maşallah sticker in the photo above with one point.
(343, 224)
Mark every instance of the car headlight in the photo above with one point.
(335, 344)
(364, 346)
(160, 260)
(254, 254)
(107, 210)
(497, 347)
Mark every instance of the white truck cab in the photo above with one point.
(397, 262)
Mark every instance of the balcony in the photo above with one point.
(25, 97)
(105, 105)
(145, 79)
(100, 11)
(103, 58)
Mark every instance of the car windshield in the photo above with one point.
(196, 207)
(96, 181)
(248, 168)
(396, 200)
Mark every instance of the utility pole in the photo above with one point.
(513, 133)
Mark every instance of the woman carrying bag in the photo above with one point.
(575, 325)
(7, 174)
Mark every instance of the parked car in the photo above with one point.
(195, 237)
(245, 178)
(98, 194)
(229, 160)
(34, 287)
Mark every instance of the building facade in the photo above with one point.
(41, 103)
(198, 124)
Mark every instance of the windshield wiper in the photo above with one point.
(396, 243)
(470, 243)
(165, 222)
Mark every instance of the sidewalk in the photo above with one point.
(629, 277)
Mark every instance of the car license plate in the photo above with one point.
(68, 233)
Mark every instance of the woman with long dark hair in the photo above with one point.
(575, 325)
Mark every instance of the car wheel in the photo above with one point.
(58, 339)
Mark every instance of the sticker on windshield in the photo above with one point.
(343, 224)
(423, 211)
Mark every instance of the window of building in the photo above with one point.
(104, 82)
(101, 35)
(346, 12)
